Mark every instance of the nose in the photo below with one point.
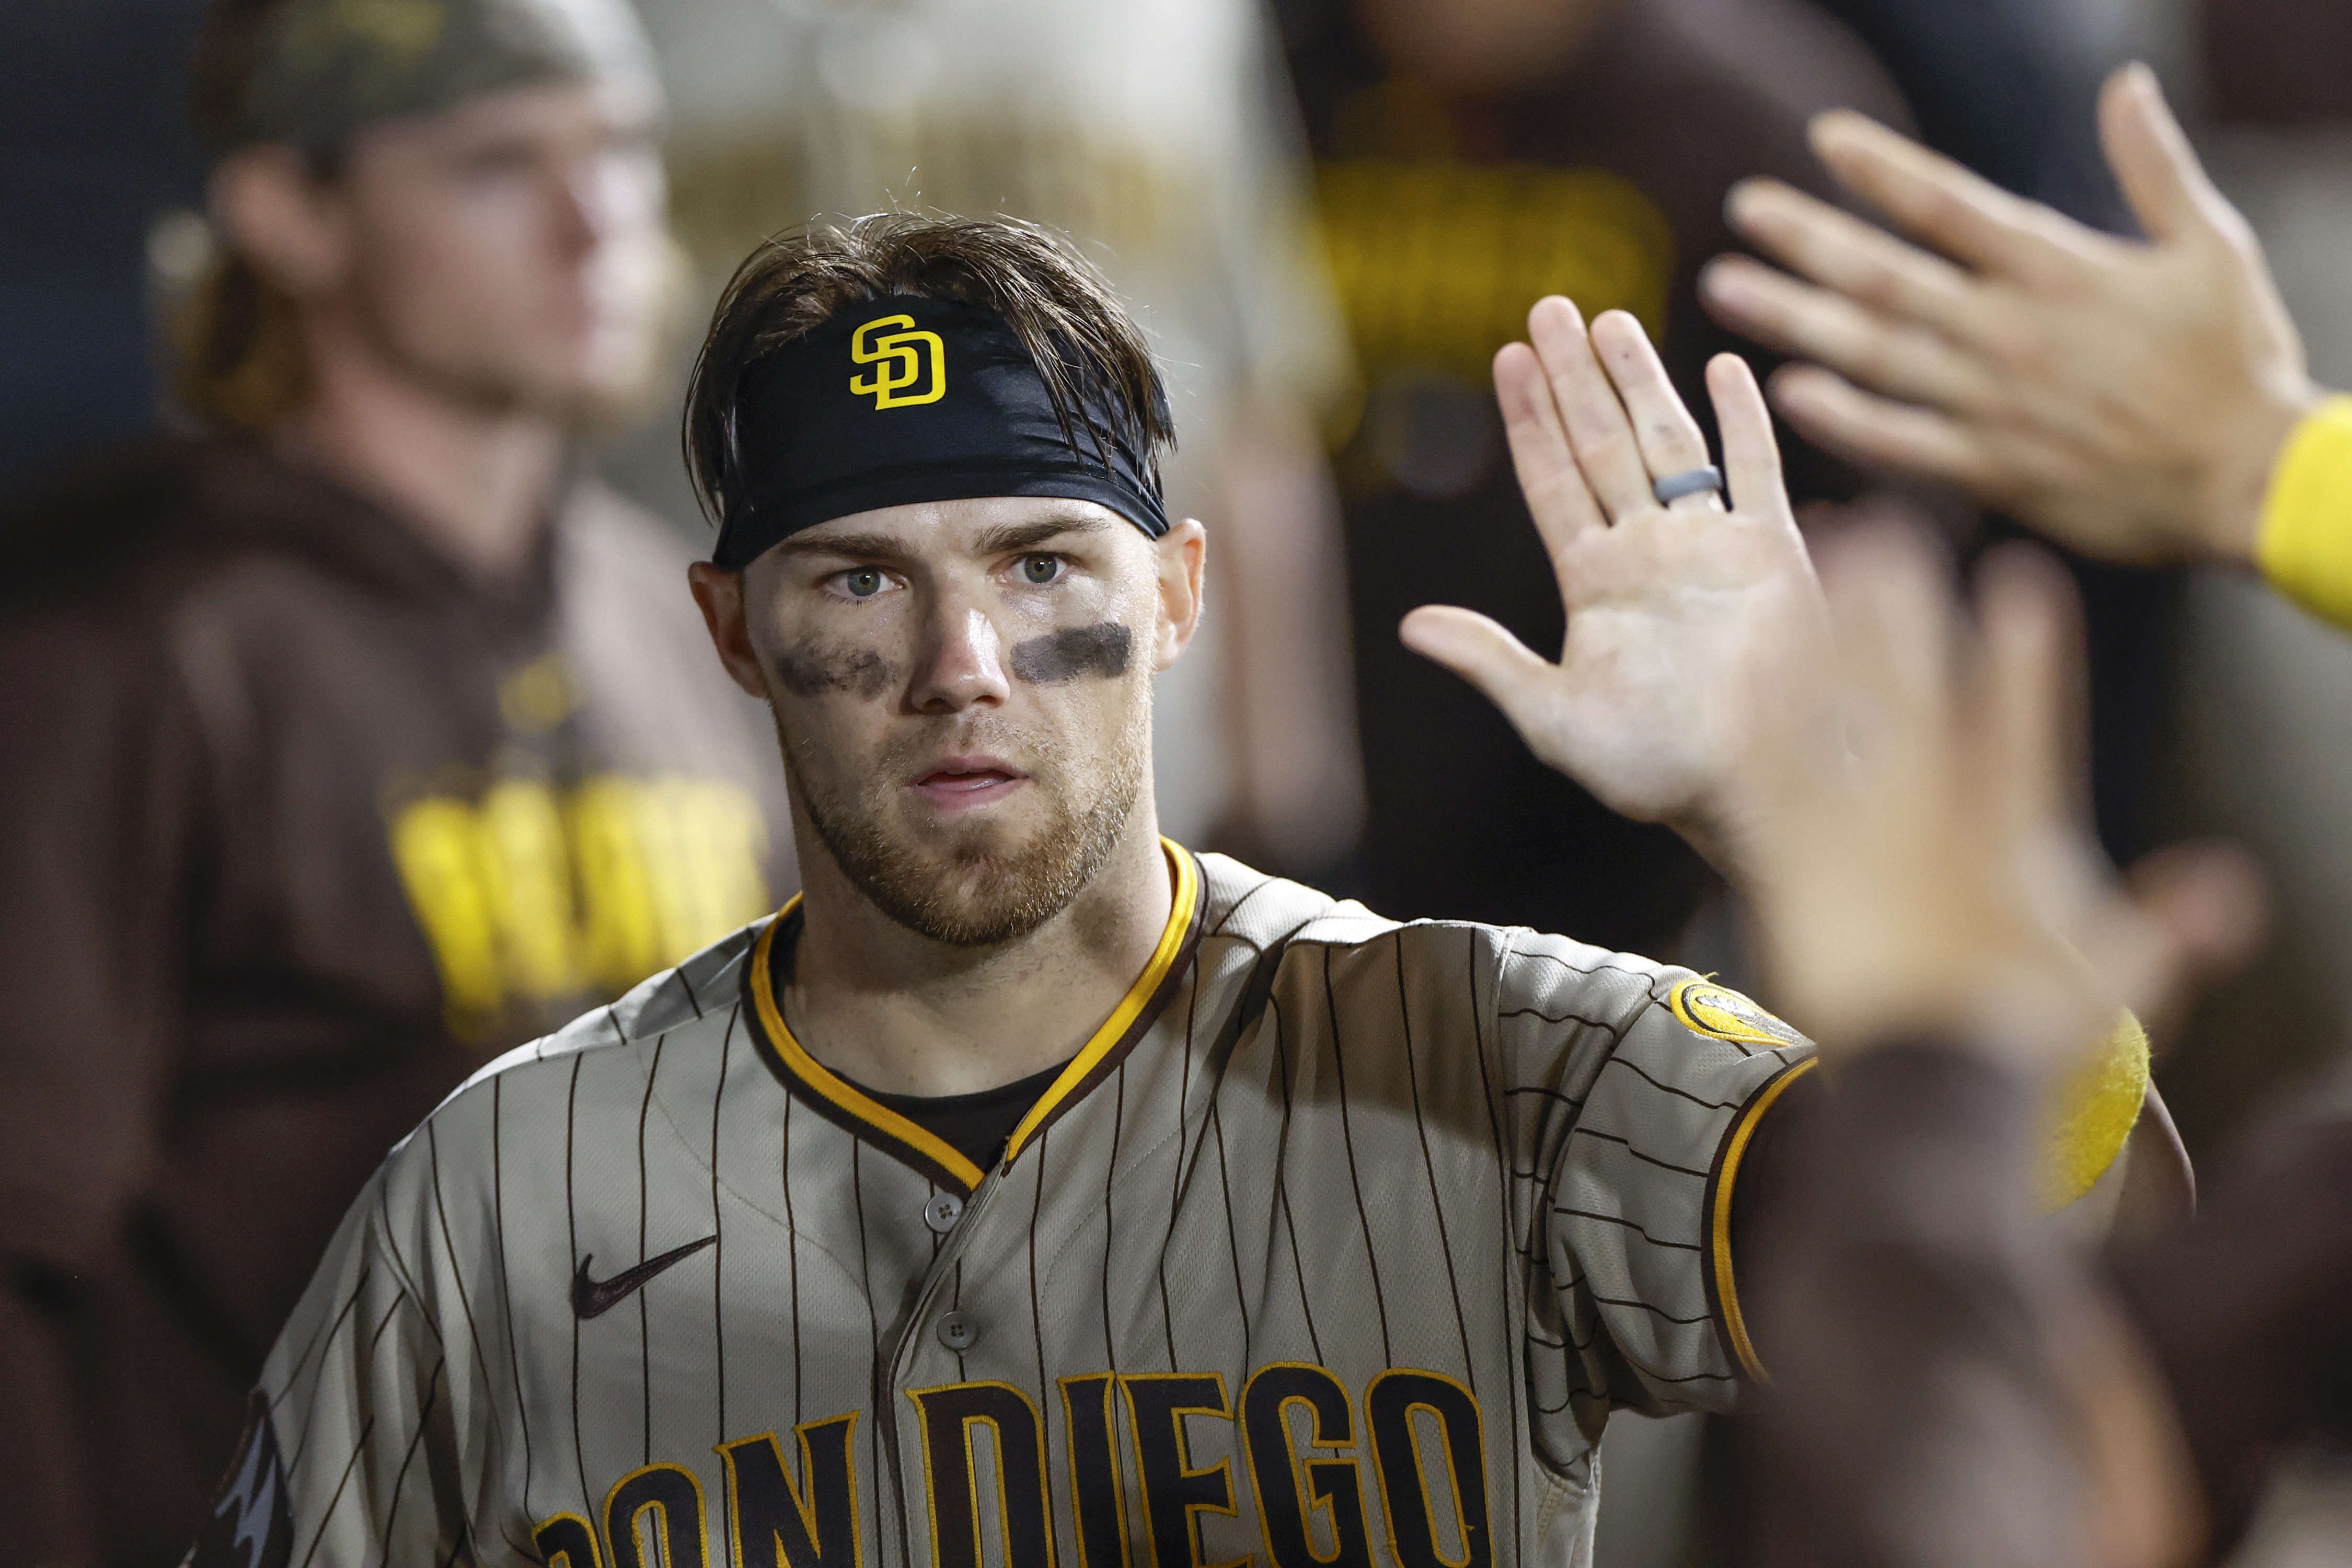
(962, 664)
(582, 207)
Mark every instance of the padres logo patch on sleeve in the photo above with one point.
(1723, 1013)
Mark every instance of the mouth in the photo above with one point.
(957, 785)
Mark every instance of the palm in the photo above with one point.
(1667, 606)
(1664, 613)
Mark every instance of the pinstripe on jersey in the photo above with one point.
(1336, 1244)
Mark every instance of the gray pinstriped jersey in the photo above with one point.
(1335, 1246)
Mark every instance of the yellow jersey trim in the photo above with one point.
(837, 1091)
(1174, 942)
(1719, 1225)
(862, 1112)
(2303, 545)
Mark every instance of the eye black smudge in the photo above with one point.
(808, 670)
(1098, 649)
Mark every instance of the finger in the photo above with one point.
(1841, 416)
(1558, 497)
(1891, 613)
(1892, 355)
(1858, 260)
(1663, 430)
(1505, 670)
(1598, 430)
(1933, 199)
(2159, 173)
(2211, 900)
(2028, 758)
(2197, 914)
(1792, 751)
(1751, 457)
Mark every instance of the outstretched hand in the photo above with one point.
(1666, 603)
(1914, 849)
(2127, 398)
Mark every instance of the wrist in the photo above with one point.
(2239, 501)
(1705, 834)
(2037, 1020)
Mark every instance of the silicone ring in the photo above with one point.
(1689, 482)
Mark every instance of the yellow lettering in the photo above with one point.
(527, 896)
(900, 360)
(529, 879)
(434, 845)
(1435, 263)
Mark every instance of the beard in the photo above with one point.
(981, 884)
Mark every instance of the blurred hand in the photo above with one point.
(1666, 605)
(1914, 855)
(2127, 398)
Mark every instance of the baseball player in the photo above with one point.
(1032, 1191)
(356, 733)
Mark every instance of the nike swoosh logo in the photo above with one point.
(594, 1298)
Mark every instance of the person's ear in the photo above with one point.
(283, 220)
(719, 592)
(1183, 554)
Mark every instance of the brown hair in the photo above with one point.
(239, 361)
(1062, 311)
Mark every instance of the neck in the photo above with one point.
(905, 1014)
(473, 480)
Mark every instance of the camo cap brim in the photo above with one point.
(313, 74)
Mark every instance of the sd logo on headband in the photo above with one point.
(902, 359)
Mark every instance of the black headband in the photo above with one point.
(905, 400)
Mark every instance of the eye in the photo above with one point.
(1041, 569)
(864, 583)
(497, 161)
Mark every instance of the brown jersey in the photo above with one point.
(301, 828)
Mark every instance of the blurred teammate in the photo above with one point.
(1948, 1386)
(2138, 402)
(349, 744)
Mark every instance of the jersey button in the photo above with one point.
(942, 1212)
(957, 1332)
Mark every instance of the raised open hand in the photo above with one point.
(1913, 838)
(2126, 397)
(1666, 603)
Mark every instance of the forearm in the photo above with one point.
(1901, 1297)
(49, 1517)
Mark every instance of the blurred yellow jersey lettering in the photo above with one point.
(532, 897)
